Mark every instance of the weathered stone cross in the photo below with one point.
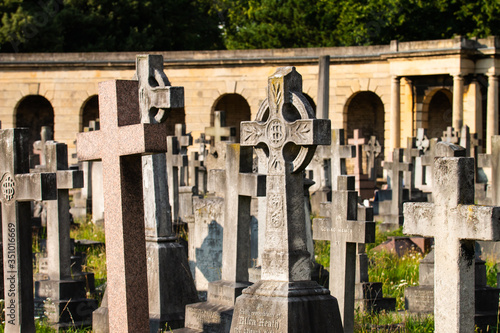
(455, 223)
(184, 140)
(358, 141)
(493, 161)
(372, 150)
(421, 143)
(395, 170)
(290, 138)
(39, 145)
(219, 130)
(450, 135)
(341, 227)
(339, 152)
(175, 162)
(120, 143)
(410, 154)
(18, 187)
(168, 293)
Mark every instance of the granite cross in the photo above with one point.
(455, 223)
(339, 151)
(341, 227)
(120, 143)
(239, 187)
(18, 187)
(219, 130)
(290, 139)
(372, 149)
(175, 162)
(395, 170)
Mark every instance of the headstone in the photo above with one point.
(170, 284)
(198, 165)
(67, 305)
(239, 185)
(39, 146)
(175, 162)
(369, 296)
(219, 132)
(285, 299)
(421, 143)
(491, 162)
(427, 161)
(372, 150)
(341, 227)
(18, 188)
(411, 153)
(450, 135)
(119, 144)
(364, 185)
(393, 217)
(454, 222)
(318, 174)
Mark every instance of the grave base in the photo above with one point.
(225, 292)
(100, 320)
(67, 313)
(420, 299)
(292, 307)
(369, 298)
(207, 317)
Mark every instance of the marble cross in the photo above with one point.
(18, 188)
(455, 223)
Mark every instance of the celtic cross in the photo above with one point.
(287, 131)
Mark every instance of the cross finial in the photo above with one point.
(156, 95)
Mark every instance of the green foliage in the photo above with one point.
(396, 273)
(107, 25)
(491, 272)
(392, 322)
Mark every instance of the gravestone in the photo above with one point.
(285, 299)
(198, 165)
(18, 188)
(410, 155)
(369, 296)
(364, 185)
(390, 211)
(339, 225)
(454, 222)
(219, 132)
(372, 150)
(120, 143)
(427, 161)
(422, 144)
(450, 136)
(239, 185)
(170, 284)
(318, 174)
(38, 157)
(492, 162)
(62, 297)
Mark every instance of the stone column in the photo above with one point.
(458, 101)
(491, 110)
(323, 88)
(395, 112)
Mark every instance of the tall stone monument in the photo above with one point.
(19, 187)
(454, 222)
(286, 300)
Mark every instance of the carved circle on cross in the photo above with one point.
(277, 128)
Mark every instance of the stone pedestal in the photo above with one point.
(277, 306)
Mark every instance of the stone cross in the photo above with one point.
(358, 141)
(339, 152)
(455, 223)
(450, 135)
(493, 161)
(290, 146)
(166, 302)
(219, 130)
(197, 165)
(18, 188)
(239, 187)
(410, 154)
(58, 219)
(372, 149)
(184, 140)
(120, 143)
(422, 143)
(175, 162)
(39, 145)
(428, 163)
(395, 170)
(156, 95)
(341, 227)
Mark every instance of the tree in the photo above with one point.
(107, 25)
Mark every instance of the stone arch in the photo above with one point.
(236, 108)
(33, 112)
(437, 112)
(364, 110)
(89, 111)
